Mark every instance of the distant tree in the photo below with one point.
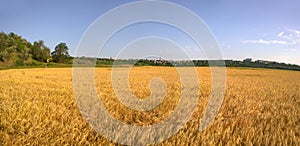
(60, 53)
(40, 52)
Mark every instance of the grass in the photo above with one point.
(261, 107)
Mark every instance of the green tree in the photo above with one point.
(60, 53)
(40, 52)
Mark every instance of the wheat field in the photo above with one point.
(261, 107)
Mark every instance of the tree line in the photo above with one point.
(17, 51)
(199, 63)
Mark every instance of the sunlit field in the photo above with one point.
(261, 107)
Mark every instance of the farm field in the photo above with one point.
(261, 107)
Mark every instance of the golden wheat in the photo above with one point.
(261, 107)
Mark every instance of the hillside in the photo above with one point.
(16, 51)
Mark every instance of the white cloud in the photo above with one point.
(281, 34)
(290, 34)
(295, 32)
(225, 45)
(288, 37)
(267, 42)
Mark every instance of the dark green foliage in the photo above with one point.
(40, 52)
(60, 54)
(197, 63)
(16, 51)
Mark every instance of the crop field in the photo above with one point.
(260, 107)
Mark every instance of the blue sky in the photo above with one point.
(268, 30)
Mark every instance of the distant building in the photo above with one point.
(247, 60)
